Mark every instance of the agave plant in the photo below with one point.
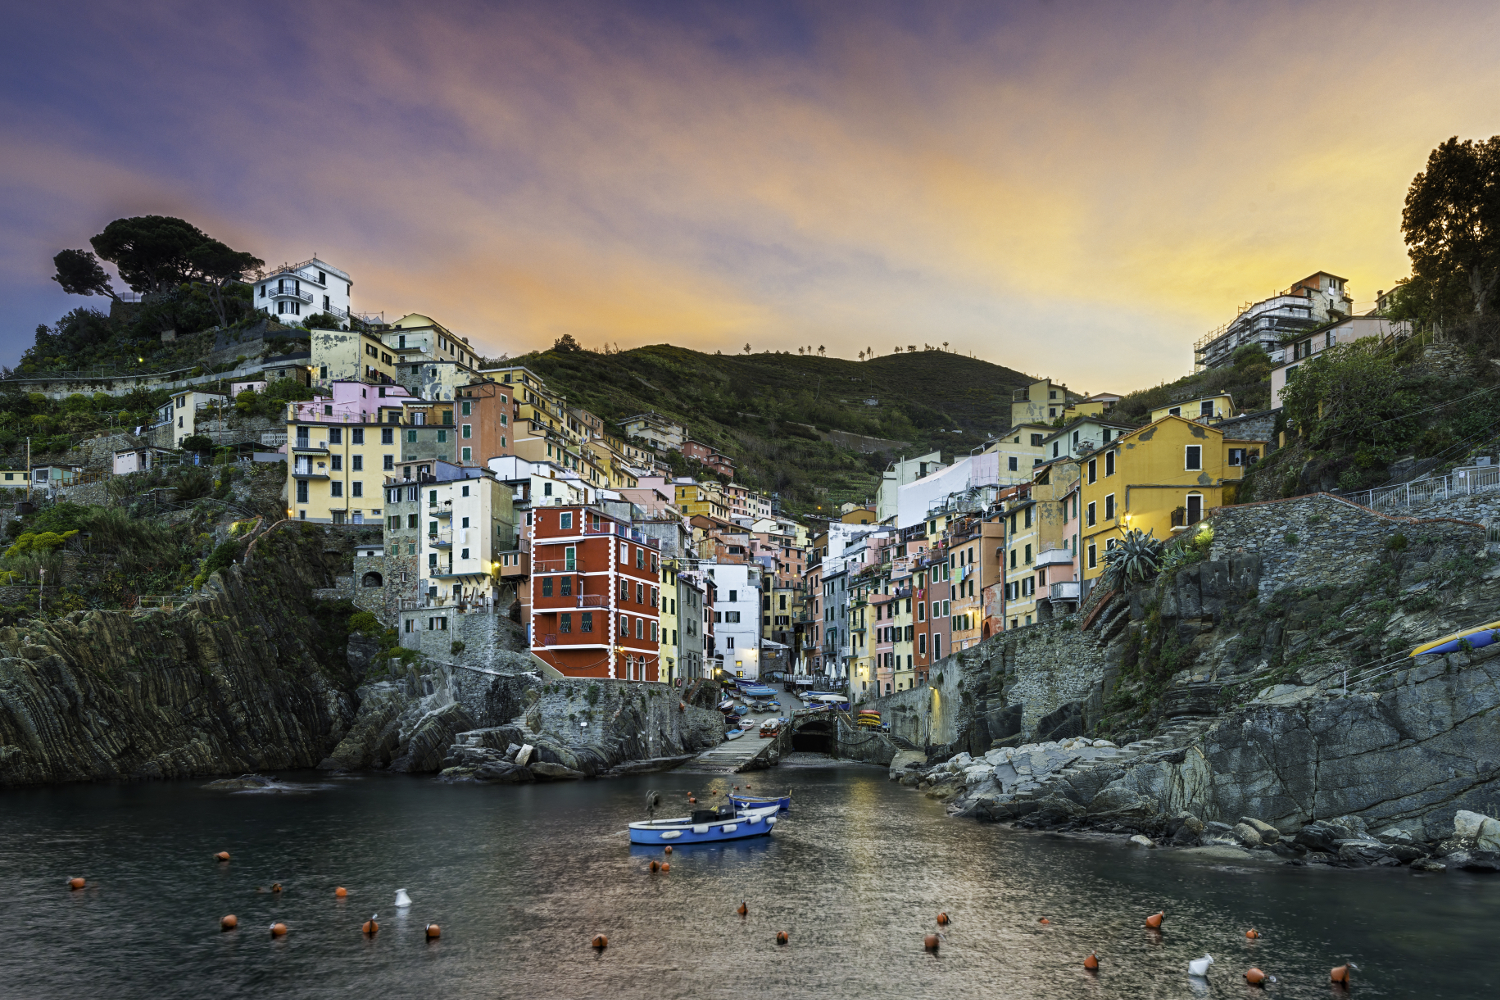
(1134, 558)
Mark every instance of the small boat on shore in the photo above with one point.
(734, 734)
(706, 826)
(782, 803)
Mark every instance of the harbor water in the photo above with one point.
(521, 878)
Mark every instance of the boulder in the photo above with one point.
(1320, 836)
(1482, 861)
(1117, 800)
(1428, 865)
(1247, 835)
(1477, 828)
(548, 771)
(1141, 840)
(1268, 833)
(243, 783)
(1052, 810)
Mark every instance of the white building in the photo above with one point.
(1346, 332)
(1313, 301)
(736, 616)
(898, 474)
(295, 290)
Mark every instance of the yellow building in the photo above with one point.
(668, 654)
(1220, 407)
(350, 356)
(336, 471)
(1040, 402)
(1158, 478)
(693, 498)
(1022, 449)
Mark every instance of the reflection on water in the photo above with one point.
(520, 879)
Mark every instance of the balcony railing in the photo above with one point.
(593, 601)
(554, 566)
(289, 293)
(1054, 557)
(440, 539)
(1065, 591)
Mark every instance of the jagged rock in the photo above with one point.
(243, 782)
(434, 732)
(1052, 810)
(1118, 800)
(504, 773)
(1321, 836)
(1428, 865)
(548, 771)
(1482, 861)
(1268, 834)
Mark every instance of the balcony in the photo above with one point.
(305, 470)
(304, 297)
(1065, 591)
(554, 566)
(593, 601)
(440, 539)
(1054, 557)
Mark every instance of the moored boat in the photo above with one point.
(706, 826)
(783, 803)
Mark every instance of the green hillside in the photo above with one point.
(772, 412)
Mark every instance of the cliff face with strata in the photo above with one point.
(245, 677)
(1269, 681)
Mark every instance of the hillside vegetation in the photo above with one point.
(773, 413)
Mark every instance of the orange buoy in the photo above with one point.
(1339, 974)
(1255, 977)
(278, 929)
(222, 856)
(742, 909)
(229, 923)
(782, 937)
(747, 786)
(1044, 920)
(76, 883)
(275, 886)
(930, 942)
(943, 919)
(665, 867)
(434, 932)
(341, 892)
(1252, 934)
(600, 942)
(1154, 921)
(370, 927)
(668, 849)
(692, 800)
(655, 865)
(1092, 962)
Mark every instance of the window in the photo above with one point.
(387, 436)
(1106, 433)
(357, 488)
(1109, 463)
(1194, 508)
(570, 558)
(1054, 449)
(546, 586)
(1109, 506)
(338, 488)
(1028, 517)
(1012, 558)
(733, 596)
(465, 554)
(442, 437)
(1206, 408)
(1236, 456)
(1013, 463)
(1194, 457)
(302, 491)
(1036, 440)
(1028, 555)
(411, 521)
(335, 434)
(338, 463)
(357, 435)
(640, 628)
(640, 593)
(1175, 411)
(395, 522)
(468, 455)
(1093, 553)
(1090, 512)
(357, 463)
(586, 622)
(464, 408)
(565, 622)
(390, 464)
(565, 520)
(1093, 470)
(411, 437)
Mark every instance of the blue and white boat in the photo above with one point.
(783, 803)
(706, 826)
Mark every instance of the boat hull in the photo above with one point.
(751, 823)
(782, 803)
(1482, 635)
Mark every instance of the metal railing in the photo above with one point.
(1065, 591)
(290, 293)
(1459, 482)
(593, 601)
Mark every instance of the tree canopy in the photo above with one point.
(80, 273)
(1451, 224)
(151, 252)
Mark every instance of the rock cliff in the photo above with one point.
(1269, 682)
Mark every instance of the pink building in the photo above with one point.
(351, 403)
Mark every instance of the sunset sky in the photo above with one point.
(1078, 190)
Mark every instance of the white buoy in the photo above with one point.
(1199, 966)
(402, 899)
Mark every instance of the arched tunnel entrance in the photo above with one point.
(813, 737)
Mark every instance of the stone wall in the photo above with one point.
(1312, 540)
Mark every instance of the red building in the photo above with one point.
(594, 595)
(716, 460)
